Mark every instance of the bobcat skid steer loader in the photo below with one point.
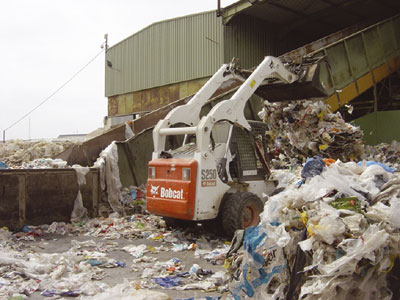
(220, 171)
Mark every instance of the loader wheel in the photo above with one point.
(178, 223)
(240, 211)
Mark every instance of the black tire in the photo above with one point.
(213, 226)
(175, 223)
(240, 211)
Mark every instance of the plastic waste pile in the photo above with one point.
(385, 153)
(17, 152)
(45, 163)
(302, 129)
(333, 235)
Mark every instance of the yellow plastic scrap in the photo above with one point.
(392, 260)
(151, 249)
(323, 147)
(227, 264)
(135, 285)
(311, 229)
(227, 242)
(158, 237)
(5, 228)
(303, 218)
(321, 115)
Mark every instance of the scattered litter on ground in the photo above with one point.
(79, 270)
(128, 291)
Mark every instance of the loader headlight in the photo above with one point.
(152, 172)
(186, 174)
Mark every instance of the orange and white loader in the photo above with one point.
(219, 171)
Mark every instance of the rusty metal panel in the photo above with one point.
(9, 200)
(86, 153)
(297, 54)
(338, 60)
(154, 98)
(133, 158)
(374, 47)
(386, 33)
(357, 55)
(43, 196)
(166, 52)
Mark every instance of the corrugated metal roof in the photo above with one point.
(165, 52)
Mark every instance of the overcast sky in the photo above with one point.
(44, 42)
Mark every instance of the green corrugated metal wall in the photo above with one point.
(166, 52)
(380, 126)
(251, 39)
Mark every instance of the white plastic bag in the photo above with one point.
(79, 213)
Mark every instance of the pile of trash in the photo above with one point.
(388, 154)
(302, 129)
(334, 234)
(15, 153)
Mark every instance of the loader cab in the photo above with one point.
(250, 153)
(239, 154)
(243, 152)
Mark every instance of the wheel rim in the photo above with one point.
(250, 216)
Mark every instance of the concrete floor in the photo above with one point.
(58, 244)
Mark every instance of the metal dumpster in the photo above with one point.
(42, 196)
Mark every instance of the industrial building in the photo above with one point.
(172, 59)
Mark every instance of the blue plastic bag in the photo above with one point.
(313, 167)
(371, 162)
(167, 282)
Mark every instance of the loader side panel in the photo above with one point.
(168, 194)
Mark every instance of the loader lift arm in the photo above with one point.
(189, 114)
(231, 110)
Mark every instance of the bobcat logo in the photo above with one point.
(154, 189)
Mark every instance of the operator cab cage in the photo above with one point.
(248, 150)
